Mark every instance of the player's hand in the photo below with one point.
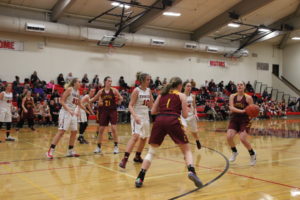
(100, 103)
(71, 112)
(25, 110)
(197, 118)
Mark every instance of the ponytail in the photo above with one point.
(174, 82)
(71, 83)
(141, 77)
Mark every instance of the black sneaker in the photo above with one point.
(80, 139)
(193, 177)
(198, 144)
(138, 159)
(138, 183)
(84, 141)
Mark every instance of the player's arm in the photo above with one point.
(97, 96)
(119, 96)
(184, 105)
(90, 109)
(155, 107)
(63, 100)
(82, 101)
(231, 106)
(150, 104)
(1, 95)
(249, 100)
(195, 106)
(133, 99)
(23, 104)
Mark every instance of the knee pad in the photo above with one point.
(150, 154)
(8, 125)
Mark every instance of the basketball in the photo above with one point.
(252, 110)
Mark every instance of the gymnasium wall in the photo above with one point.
(291, 61)
(50, 56)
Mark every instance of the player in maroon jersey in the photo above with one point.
(240, 122)
(168, 106)
(108, 98)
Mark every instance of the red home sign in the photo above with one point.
(11, 45)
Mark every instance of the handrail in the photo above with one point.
(290, 85)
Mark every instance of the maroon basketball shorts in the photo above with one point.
(167, 124)
(240, 124)
(106, 116)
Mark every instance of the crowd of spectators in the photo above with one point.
(211, 97)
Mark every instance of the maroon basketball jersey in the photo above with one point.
(170, 103)
(109, 100)
(28, 103)
(240, 104)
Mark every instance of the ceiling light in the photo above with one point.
(173, 14)
(120, 5)
(264, 30)
(295, 38)
(233, 25)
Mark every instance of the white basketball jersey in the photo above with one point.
(190, 103)
(141, 105)
(5, 103)
(73, 99)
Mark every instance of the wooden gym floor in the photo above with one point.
(26, 174)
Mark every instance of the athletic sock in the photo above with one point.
(233, 149)
(99, 145)
(52, 146)
(126, 155)
(138, 154)
(116, 144)
(71, 147)
(251, 152)
(191, 168)
(7, 134)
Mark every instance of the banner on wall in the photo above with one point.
(11, 45)
(217, 63)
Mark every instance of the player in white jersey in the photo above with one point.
(83, 119)
(140, 102)
(191, 121)
(68, 118)
(6, 98)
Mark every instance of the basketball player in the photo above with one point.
(191, 121)
(107, 98)
(83, 118)
(240, 122)
(169, 106)
(140, 102)
(68, 114)
(6, 98)
(27, 112)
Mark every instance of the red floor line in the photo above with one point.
(39, 170)
(236, 174)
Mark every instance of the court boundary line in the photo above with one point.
(211, 181)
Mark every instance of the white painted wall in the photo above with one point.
(63, 56)
(291, 63)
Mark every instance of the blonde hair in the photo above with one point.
(173, 83)
(71, 84)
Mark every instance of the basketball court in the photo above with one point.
(224, 40)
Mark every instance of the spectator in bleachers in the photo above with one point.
(95, 80)
(38, 112)
(39, 90)
(212, 86)
(34, 77)
(249, 87)
(47, 119)
(85, 80)
(193, 83)
(69, 77)
(50, 87)
(157, 82)
(54, 111)
(164, 82)
(265, 95)
(221, 86)
(61, 80)
(123, 84)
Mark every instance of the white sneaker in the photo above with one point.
(233, 156)
(116, 149)
(72, 153)
(9, 138)
(49, 153)
(253, 159)
(97, 150)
